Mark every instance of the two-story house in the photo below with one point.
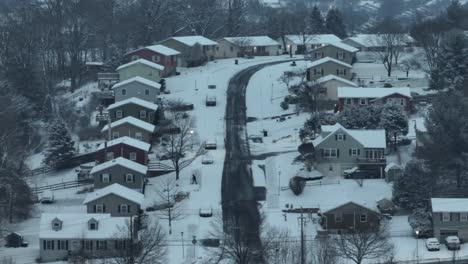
(336, 50)
(130, 127)
(194, 50)
(143, 68)
(331, 83)
(115, 199)
(348, 96)
(159, 54)
(137, 87)
(350, 216)
(338, 149)
(79, 234)
(231, 47)
(135, 107)
(302, 44)
(126, 147)
(120, 170)
(450, 218)
(326, 66)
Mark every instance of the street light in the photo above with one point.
(191, 137)
(183, 250)
(417, 246)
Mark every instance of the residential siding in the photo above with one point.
(351, 218)
(117, 175)
(329, 67)
(332, 89)
(356, 101)
(134, 111)
(453, 225)
(138, 90)
(332, 52)
(123, 150)
(112, 203)
(226, 49)
(169, 62)
(191, 56)
(141, 70)
(130, 131)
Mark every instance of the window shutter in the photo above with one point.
(337, 55)
(321, 151)
(441, 217)
(337, 72)
(118, 208)
(359, 152)
(100, 177)
(124, 178)
(337, 153)
(103, 208)
(110, 177)
(128, 208)
(321, 71)
(350, 152)
(344, 71)
(94, 208)
(315, 54)
(315, 71)
(344, 137)
(344, 55)
(336, 136)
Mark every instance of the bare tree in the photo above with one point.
(169, 199)
(309, 95)
(279, 248)
(358, 246)
(392, 46)
(323, 253)
(243, 43)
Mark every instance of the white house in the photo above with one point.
(331, 82)
(301, 44)
(130, 127)
(230, 47)
(137, 87)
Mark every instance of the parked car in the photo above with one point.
(423, 233)
(168, 156)
(432, 244)
(210, 144)
(207, 159)
(211, 101)
(356, 173)
(47, 197)
(452, 243)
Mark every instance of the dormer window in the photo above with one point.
(56, 224)
(340, 137)
(92, 224)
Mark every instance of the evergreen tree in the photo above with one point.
(394, 121)
(316, 23)
(456, 14)
(334, 23)
(60, 146)
(391, 8)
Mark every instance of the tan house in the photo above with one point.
(302, 44)
(143, 68)
(195, 50)
(79, 234)
(331, 83)
(326, 66)
(231, 47)
(137, 87)
(115, 200)
(337, 50)
(350, 216)
(130, 127)
(135, 107)
(125, 172)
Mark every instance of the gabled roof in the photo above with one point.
(134, 100)
(138, 79)
(440, 205)
(163, 50)
(127, 141)
(313, 39)
(374, 138)
(192, 40)
(131, 165)
(360, 92)
(391, 166)
(328, 59)
(252, 41)
(132, 121)
(351, 203)
(118, 190)
(342, 46)
(144, 62)
(336, 78)
(373, 40)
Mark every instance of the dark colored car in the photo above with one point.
(362, 174)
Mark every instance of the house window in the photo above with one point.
(348, 101)
(110, 156)
(232, 48)
(133, 156)
(62, 244)
(340, 137)
(340, 55)
(341, 72)
(135, 57)
(338, 218)
(119, 113)
(88, 245)
(402, 101)
(92, 226)
(363, 218)
(99, 208)
(146, 91)
(124, 91)
(139, 135)
(129, 178)
(363, 101)
(56, 226)
(330, 153)
(445, 217)
(354, 152)
(101, 245)
(156, 58)
(318, 55)
(106, 177)
(143, 114)
(49, 244)
(124, 208)
(115, 135)
(463, 217)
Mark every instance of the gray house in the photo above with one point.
(120, 170)
(115, 200)
(86, 235)
(326, 66)
(338, 149)
(337, 50)
(195, 50)
(136, 87)
(130, 127)
(450, 218)
(136, 107)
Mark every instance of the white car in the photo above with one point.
(452, 243)
(432, 244)
(47, 197)
(207, 159)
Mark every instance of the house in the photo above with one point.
(336, 50)
(115, 199)
(194, 50)
(120, 170)
(143, 68)
(326, 66)
(348, 96)
(79, 234)
(338, 149)
(393, 171)
(130, 127)
(301, 44)
(450, 218)
(13, 240)
(377, 42)
(135, 107)
(350, 216)
(231, 47)
(159, 54)
(331, 83)
(126, 147)
(137, 87)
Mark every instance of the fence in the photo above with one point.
(62, 185)
(35, 172)
(316, 183)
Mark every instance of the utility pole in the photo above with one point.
(10, 204)
(132, 253)
(302, 218)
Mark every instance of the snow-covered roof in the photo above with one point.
(343, 46)
(138, 79)
(391, 165)
(144, 62)
(328, 59)
(131, 165)
(134, 100)
(334, 77)
(127, 141)
(192, 40)
(118, 190)
(350, 202)
(75, 225)
(449, 205)
(163, 50)
(313, 39)
(360, 92)
(372, 40)
(372, 138)
(252, 41)
(132, 121)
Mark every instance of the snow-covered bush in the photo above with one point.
(297, 184)
(284, 105)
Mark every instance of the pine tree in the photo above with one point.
(394, 121)
(316, 23)
(334, 23)
(60, 146)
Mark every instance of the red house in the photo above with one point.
(159, 54)
(126, 147)
(348, 96)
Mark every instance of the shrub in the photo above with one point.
(284, 105)
(297, 184)
(387, 85)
